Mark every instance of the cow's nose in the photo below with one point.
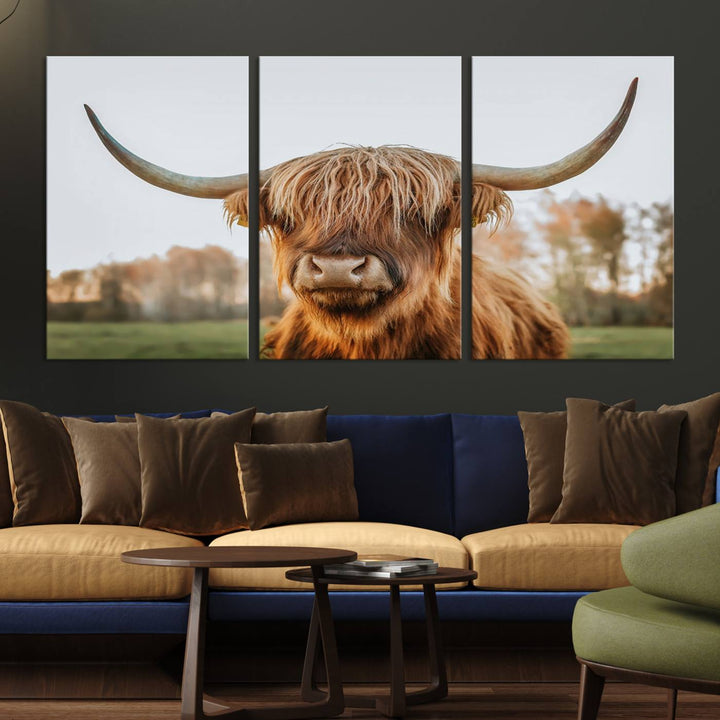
(344, 271)
(318, 272)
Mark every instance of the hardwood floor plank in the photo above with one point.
(476, 701)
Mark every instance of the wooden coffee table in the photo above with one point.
(196, 707)
(396, 703)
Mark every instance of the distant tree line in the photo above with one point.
(185, 284)
(600, 263)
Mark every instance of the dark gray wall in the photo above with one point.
(687, 30)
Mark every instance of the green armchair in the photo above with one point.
(664, 629)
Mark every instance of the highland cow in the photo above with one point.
(366, 238)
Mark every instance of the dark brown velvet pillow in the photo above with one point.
(108, 465)
(297, 426)
(544, 434)
(6, 501)
(297, 483)
(41, 466)
(619, 466)
(188, 474)
(697, 439)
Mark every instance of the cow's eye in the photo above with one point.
(284, 223)
(430, 225)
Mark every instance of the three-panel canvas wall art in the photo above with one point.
(568, 208)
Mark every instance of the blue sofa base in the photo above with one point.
(93, 618)
(466, 605)
(170, 617)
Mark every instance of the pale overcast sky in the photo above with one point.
(315, 103)
(534, 110)
(189, 114)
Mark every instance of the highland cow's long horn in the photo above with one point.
(541, 176)
(201, 187)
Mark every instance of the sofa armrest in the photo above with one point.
(678, 558)
(717, 485)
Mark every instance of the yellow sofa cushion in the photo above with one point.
(365, 538)
(82, 562)
(545, 556)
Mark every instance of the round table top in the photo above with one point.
(443, 575)
(238, 557)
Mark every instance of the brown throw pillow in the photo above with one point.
(6, 501)
(297, 483)
(41, 466)
(188, 474)
(697, 438)
(544, 434)
(108, 465)
(619, 465)
(298, 426)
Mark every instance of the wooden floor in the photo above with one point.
(517, 701)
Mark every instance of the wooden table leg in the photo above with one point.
(193, 670)
(397, 656)
(394, 706)
(438, 687)
(335, 702)
(195, 707)
(309, 687)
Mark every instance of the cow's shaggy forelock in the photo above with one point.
(354, 188)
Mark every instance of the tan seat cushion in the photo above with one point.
(365, 538)
(82, 562)
(544, 556)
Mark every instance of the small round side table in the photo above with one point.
(395, 704)
(193, 705)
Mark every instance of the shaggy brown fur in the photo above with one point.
(511, 320)
(401, 205)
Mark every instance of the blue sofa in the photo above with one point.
(452, 473)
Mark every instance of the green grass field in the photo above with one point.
(228, 340)
(147, 340)
(622, 343)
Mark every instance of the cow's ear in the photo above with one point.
(490, 204)
(454, 214)
(264, 206)
(236, 208)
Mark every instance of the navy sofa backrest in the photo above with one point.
(459, 474)
(491, 478)
(187, 414)
(403, 467)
